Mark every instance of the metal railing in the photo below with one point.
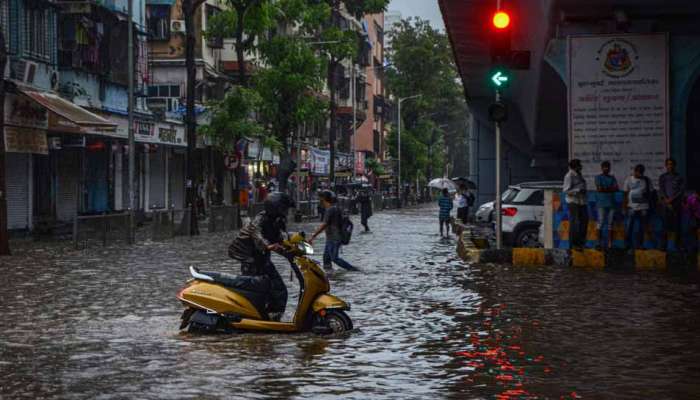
(102, 228)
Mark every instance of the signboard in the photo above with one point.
(359, 162)
(253, 149)
(618, 102)
(20, 110)
(343, 161)
(25, 140)
(320, 161)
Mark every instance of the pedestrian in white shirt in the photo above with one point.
(575, 191)
(638, 191)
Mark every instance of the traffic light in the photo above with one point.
(500, 38)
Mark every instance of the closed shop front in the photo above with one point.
(67, 184)
(18, 191)
(177, 180)
(156, 158)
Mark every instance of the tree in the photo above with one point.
(245, 21)
(434, 125)
(288, 88)
(4, 239)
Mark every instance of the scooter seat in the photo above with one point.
(257, 284)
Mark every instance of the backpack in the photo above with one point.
(346, 228)
(470, 199)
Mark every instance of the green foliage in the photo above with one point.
(232, 118)
(288, 85)
(258, 18)
(421, 63)
(375, 166)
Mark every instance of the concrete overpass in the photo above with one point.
(536, 135)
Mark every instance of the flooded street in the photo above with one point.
(102, 324)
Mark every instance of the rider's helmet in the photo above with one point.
(278, 204)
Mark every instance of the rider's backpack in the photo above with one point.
(346, 227)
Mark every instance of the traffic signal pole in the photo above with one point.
(499, 216)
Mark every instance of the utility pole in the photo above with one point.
(353, 89)
(189, 8)
(4, 237)
(132, 144)
(499, 217)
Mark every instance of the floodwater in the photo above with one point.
(102, 324)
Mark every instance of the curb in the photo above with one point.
(591, 259)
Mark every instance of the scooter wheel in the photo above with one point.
(338, 321)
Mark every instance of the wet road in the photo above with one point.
(103, 324)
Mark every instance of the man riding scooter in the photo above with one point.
(253, 247)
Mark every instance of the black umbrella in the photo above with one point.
(460, 180)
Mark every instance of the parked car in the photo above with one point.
(523, 211)
(485, 212)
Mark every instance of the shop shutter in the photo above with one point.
(157, 179)
(17, 190)
(177, 181)
(68, 176)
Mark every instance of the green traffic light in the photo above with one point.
(500, 79)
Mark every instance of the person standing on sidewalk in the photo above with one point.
(671, 191)
(638, 192)
(332, 225)
(445, 203)
(606, 186)
(575, 191)
(462, 205)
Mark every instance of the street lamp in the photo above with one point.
(401, 100)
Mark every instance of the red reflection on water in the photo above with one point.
(496, 355)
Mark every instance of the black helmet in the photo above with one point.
(278, 204)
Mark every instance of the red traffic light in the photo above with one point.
(501, 20)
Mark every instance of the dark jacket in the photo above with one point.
(250, 246)
(365, 205)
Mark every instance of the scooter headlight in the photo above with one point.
(307, 248)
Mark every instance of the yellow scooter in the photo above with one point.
(218, 302)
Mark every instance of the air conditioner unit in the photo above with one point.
(29, 72)
(177, 26)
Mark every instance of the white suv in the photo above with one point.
(522, 211)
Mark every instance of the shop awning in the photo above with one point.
(71, 116)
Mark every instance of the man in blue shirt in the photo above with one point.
(445, 203)
(606, 186)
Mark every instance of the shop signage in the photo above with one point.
(168, 135)
(253, 149)
(26, 140)
(359, 162)
(22, 111)
(343, 161)
(266, 154)
(618, 102)
(320, 161)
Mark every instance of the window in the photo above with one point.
(158, 21)
(5, 22)
(36, 29)
(165, 97)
